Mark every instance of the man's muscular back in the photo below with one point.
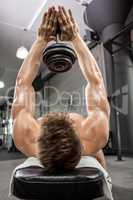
(27, 139)
(86, 129)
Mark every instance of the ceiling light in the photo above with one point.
(22, 53)
(84, 2)
(2, 85)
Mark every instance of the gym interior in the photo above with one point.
(106, 27)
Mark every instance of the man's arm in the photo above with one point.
(96, 125)
(96, 98)
(23, 108)
(95, 91)
(26, 129)
(98, 108)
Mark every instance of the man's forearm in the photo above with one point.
(31, 64)
(86, 60)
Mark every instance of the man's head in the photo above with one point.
(59, 146)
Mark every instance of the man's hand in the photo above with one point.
(69, 28)
(47, 30)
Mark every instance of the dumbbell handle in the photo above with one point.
(58, 32)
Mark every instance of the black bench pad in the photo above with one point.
(36, 184)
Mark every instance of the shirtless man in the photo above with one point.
(60, 139)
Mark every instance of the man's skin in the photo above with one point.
(93, 130)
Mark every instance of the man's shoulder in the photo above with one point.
(76, 116)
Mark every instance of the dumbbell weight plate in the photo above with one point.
(59, 57)
(59, 64)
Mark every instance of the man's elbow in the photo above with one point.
(104, 139)
(103, 134)
(25, 147)
(108, 109)
(20, 145)
(104, 130)
(17, 142)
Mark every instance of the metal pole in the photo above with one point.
(119, 154)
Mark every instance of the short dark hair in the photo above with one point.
(59, 146)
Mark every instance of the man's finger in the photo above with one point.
(44, 18)
(48, 16)
(54, 24)
(52, 17)
(60, 20)
(62, 15)
(54, 20)
(65, 13)
(71, 16)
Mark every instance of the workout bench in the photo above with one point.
(34, 183)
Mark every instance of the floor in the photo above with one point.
(122, 177)
(121, 173)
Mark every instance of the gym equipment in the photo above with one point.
(117, 40)
(38, 83)
(35, 183)
(1, 142)
(59, 57)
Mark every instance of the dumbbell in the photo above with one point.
(59, 57)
